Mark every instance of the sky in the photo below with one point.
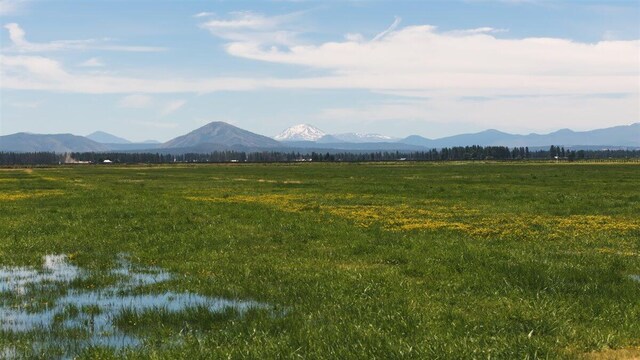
(158, 69)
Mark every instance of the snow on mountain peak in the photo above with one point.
(301, 132)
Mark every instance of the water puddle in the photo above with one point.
(76, 317)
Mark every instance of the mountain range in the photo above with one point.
(222, 136)
(624, 135)
(306, 132)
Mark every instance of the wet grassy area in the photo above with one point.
(68, 309)
(321, 260)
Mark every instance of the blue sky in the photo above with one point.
(157, 69)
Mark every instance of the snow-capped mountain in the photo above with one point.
(356, 138)
(301, 132)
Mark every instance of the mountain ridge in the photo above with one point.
(60, 143)
(622, 135)
(106, 138)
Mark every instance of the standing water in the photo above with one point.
(91, 313)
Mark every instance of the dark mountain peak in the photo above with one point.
(416, 137)
(216, 126)
(416, 140)
(563, 132)
(219, 133)
(106, 138)
(492, 131)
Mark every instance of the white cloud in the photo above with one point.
(92, 62)
(172, 106)
(246, 26)
(21, 44)
(243, 20)
(204, 14)
(136, 101)
(16, 34)
(463, 62)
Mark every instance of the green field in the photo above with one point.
(401, 260)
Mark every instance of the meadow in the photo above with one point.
(336, 260)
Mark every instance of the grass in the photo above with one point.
(399, 260)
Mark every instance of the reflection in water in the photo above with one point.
(89, 312)
(55, 269)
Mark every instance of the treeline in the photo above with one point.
(445, 154)
(31, 158)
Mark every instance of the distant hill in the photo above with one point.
(220, 134)
(25, 142)
(625, 135)
(106, 138)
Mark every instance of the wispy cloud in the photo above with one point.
(250, 27)
(244, 20)
(204, 14)
(172, 106)
(21, 44)
(476, 31)
(393, 26)
(92, 62)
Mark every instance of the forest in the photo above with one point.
(459, 153)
